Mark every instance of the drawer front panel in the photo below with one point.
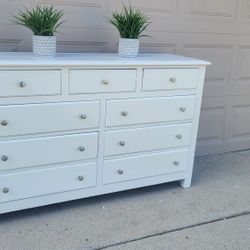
(149, 110)
(34, 183)
(30, 82)
(144, 166)
(147, 139)
(170, 79)
(42, 118)
(43, 151)
(96, 81)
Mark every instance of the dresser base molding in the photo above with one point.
(90, 192)
(99, 124)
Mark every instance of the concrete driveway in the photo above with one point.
(213, 214)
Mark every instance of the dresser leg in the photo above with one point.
(186, 183)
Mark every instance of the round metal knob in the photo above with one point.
(6, 190)
(83, 117)
(22, 84)
(179, 137)
(106, 82)
(122, 143)
(81, 148)
(182, 109)
(124, 113)
(176, 163)
(4, 158)
(120, 172)
(80, 178)
(4, 123)
(173, 79)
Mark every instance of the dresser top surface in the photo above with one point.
(95, 59)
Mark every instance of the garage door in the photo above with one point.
(215, 30)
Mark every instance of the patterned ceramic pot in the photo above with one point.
(44, 45)
(128, 47)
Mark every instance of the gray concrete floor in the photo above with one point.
(213, 214)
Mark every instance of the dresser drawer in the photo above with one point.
(170, 79)
(149, 110)
(144, 166)
(34, 183)
(30, 82)
(96, 81)
(43, 151)
(147, 139)
(49, 117)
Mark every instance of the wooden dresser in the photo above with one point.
(80, 125)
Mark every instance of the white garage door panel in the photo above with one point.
(214, 30)
(239, 136)
(241, 85)
(212, 126)
(212, 10)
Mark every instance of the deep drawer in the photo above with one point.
(170, 79)
(49, 117)
(144, 166)
(34, 183)
(96, 81)
(30, 82)
(43, 151)
(149, 110)
(147, 139)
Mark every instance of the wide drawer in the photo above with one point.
(170, 79)
(30, 82)
(48, 117)
(96, 81)
(147, 139)
(144, 166)
(34, 183)
(149, 110)
(43, 151)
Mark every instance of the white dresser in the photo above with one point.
(80, 125)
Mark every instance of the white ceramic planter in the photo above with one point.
(44, 45)
(128, 47)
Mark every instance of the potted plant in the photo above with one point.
(43, 21)
(130, 24)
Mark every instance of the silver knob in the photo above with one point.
(122, 143)
(173, 79)
(179, 137)
(22, 84)
(124, 113)
(80, 178)
(182, 109)
(120, 172)
(81, 148)
(4, 158)
(6, 190)
(176, 163)
(106, 82)
(4, 123)
(83, 117)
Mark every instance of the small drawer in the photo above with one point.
(48, 117)
(147, 139)
(170, 79)
(149, 165)
(98, 81)
(47, 181)
(30, 82)
(51, 150)
(149, 110)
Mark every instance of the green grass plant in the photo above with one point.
(41, 20)
(130, 22)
